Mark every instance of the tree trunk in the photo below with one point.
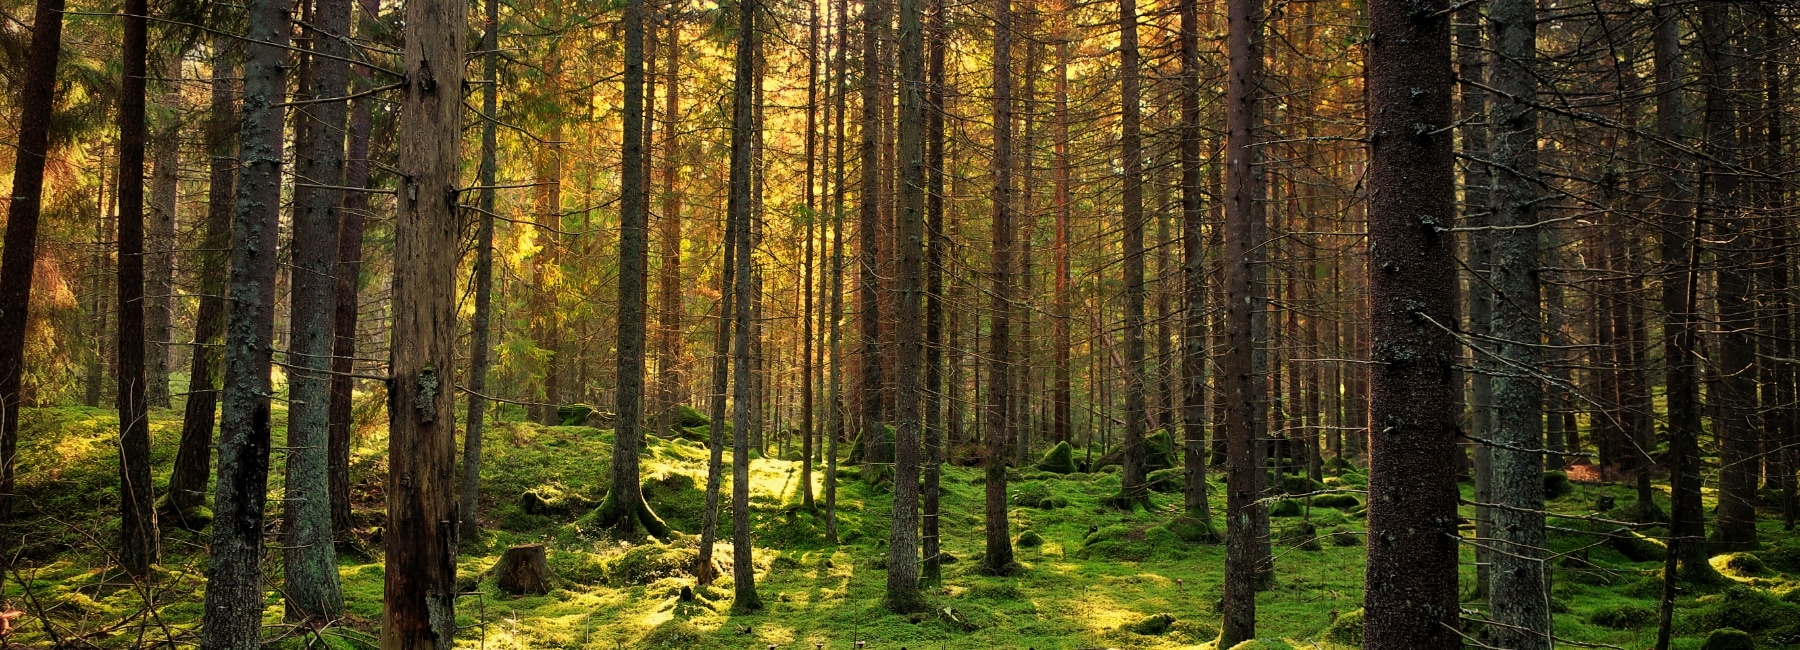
(523, 569)
(1471, 66)
(348, 278)
(159, 287)
(138, 543)
(1240, 382)
(903, 532)
(938, 243)
(807, 312)
(234, 571)
(193, 456)
(1193, 274)
(1411, 598)
(1519, 592)
(18, 259)
(625, 508)
(721, 376)
(743, 127)
(1062, 427)
(999, 559)
(670, 367)
(483, 273)
(1722, 206)
(419, 594)
(1132, 483)
(834, 418)
(868, 302)
(309, 579)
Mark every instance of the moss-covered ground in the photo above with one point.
(1093, 576)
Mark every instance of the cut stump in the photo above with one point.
(524, 570)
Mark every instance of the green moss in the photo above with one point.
(1285, 508)
(1738, 565)
(645, 563)
(574, 415)
(1262, 644)
(1028, 539)
(1060, 459)
(1166, 481)
(1347, 629)
(1344, 536)
(1728, 639)
(1739, 607)
(1556, 484)
(1623, 617)
(674, 633)
(1152, 625)
(1300, 484)
(1339, 501)
(1301, 535)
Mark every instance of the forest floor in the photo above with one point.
(1100, 578)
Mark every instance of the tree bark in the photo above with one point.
(1411, 576)
(670, 366)
(483, 273)
(138, 540)
(1132, 483)
(1240, 381)
(18, 259)
(1471, 67)
(309, 579)
(419, 595)
(159, 273)
(834, 415)
(903, 531)
(721, 377)
(1193, 274)
(743, 127)
(234, 571)
(1519, 592)
(523, 569)
(938, 242)
(348, 278)
(999, 559)
(868, 302)
(193, 456)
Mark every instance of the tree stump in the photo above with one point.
(524, 570)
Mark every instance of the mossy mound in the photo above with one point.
(1557, 485)
(649, 562)
(674, 633)
(1302, 535)
(1338, 501)
(1152, 625)
(1060, 459)
(1035, 494)
(677, 499)
(574, 415)
(1623, 617)
(1130, 544)
(1300, 484)
(1262, 644)
(1741, 608)
(1347, 629)
(1344, 536)
(1728, 639)
(688, 416)
(1284, 508)
(1166, 481)
(1739, 565)
(1028, 539)
(1193, 530)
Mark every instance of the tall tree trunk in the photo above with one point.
(309, 579)
(938, 243)
(138, 540)
(999, 559)
(419, 591)
(1240, 382)
(1132, 484)
(483, 278)
(234, 570)
(834, 418)
(348, 277)
(1722, 207)
(18, 259)
(1062, 427)
(741, 207)
(806, 286)
(159, 273)
(670, 369)
(1471, 66)
(625, 507)
(1193, 274)
(721, 377)
(193, 456)
(868, 302)
(1411, 597)
(1519, 593)
(903, 533)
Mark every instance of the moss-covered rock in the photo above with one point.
(1193, 530)
(1262, 644)
(1728, 639)
(674, 633)
(1166, 481)
(1347, 629)
(1344, 536)
(1302, 535)
(1159, 451)
(1028, 539)
(575, 415)
(1739, 565)
(1152, 625)
(1130, 544)
(646, 563)
(1556, 484)
(1739, 607)
(1059, 459)
(1284, 508)
(1300, 484)
(688, 416)
(1338, 501)
(1623, 617)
